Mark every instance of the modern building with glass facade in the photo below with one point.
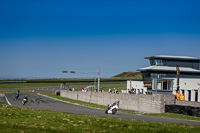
(161, 77)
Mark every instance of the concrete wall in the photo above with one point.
(142, 103)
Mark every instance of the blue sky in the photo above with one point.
(39, 39)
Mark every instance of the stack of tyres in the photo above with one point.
(182, 110)
(189, 110)
(176, 109)
(167, 108)
(198, 112)
(194, 111)
(170, 108)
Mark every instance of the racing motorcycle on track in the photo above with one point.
(24, 100)
(112, 108)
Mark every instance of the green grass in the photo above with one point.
(27, 85)
(165, 115)
(15, 119)
(119, 85)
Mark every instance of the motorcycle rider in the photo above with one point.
(116, 102)
(113, 104)
(25, 99)
(112, 108)
(17, 94)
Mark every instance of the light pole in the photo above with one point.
(99, 79)
(178, 78)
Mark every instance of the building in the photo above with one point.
(161, 77)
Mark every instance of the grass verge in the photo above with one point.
(15, 119)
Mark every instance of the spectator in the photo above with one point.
(129, 91)
(182, 98)
(114, 90)
(177, 95)
(110, 91)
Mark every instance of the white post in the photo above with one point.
(193, 95)
(199, 94)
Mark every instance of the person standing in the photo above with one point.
(177, 95)
(182, 98)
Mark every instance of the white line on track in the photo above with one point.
(7, 100)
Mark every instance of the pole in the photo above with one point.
(95, 84)
(99, 79)
(178, 77)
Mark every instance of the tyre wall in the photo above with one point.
(181, 107)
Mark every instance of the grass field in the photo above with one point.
(119, 85)
(29, 85)
(22, 120)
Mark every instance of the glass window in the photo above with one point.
(162, 84)
(152, 62)
(158, 62)
(170, 84)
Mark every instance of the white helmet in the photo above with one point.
(117, 100)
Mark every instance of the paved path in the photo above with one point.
(41, 102)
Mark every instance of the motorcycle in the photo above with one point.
(112, 108)
(24, 101)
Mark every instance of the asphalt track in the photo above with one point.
(41, 102)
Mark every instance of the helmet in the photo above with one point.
(117, 100)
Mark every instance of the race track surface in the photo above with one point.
(40, 102)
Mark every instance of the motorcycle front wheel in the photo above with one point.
(106, 111)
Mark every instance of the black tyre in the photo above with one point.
(106, 111)
(114, 111)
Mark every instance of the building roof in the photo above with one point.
(169, 69)
(173, 57)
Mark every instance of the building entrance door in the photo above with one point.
(183, 92)
(196, 95)
(189, 95)
(165, 85)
